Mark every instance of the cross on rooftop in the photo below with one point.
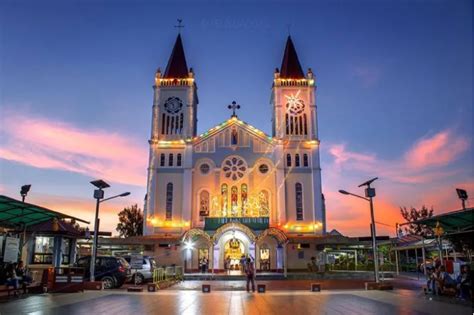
(233, 106)
(180, 25)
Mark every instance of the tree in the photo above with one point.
(130, 221)
(414, 215)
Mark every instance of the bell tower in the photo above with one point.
(295, 129)
(174, 124)
(175, 99)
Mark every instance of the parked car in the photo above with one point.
(146, 272)
(112, 271)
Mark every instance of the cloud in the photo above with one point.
(420, 164)
(45, 143)
(420, 176)
(341, 155)
(84, 208)
(440, 149)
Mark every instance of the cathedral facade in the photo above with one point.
(234, 190)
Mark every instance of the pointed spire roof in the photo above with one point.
(290, 65)
(177, 67)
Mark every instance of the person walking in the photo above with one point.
(250, 273)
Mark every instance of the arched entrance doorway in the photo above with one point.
(231, 241)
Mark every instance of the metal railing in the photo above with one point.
(164, 277)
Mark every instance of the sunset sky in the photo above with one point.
(394, 95)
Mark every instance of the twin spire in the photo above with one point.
(290, 65)
(177, 67)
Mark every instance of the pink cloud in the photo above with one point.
(438, 150)
(84, 208)
(414, 179)
(341, 155)
(45, 143)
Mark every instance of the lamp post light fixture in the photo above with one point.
(369, 194)
(24, 191)
(99, 196)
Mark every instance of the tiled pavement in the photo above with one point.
(234, 302)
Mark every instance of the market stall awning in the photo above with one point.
(17, 214)
(452, 222)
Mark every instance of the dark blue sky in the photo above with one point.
(389, 73)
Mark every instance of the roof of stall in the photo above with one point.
(17, 214)
(452, 222)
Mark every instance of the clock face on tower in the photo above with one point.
(294, 105)
(173, 105)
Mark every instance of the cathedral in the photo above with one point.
(234, 190)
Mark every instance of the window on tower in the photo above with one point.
(295, 118)
(170, 159)
(305, 160)
(162, 159)
(288, 160)
(297, 160)
(178, 159)
(299, 201)
(169, 201)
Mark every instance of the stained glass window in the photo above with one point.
(234, 168)
(244, 196)
(234, 195)
(224, 199)
(263, 200)
(204, 204)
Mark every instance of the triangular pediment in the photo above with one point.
(233, 123)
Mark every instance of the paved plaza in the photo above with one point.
(235, 302)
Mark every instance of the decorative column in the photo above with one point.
(188, 266)
(285, 260)
(211, 258)
(187, 184)
(252, 252)
(280, 184)
(216, 257)
(279, 260)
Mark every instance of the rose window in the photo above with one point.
(234, 168)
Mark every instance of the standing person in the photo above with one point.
(250, 273)
(227, 264)
(242, 263)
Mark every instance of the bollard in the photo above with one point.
(315, 287)
(151, 287)
(206, 288)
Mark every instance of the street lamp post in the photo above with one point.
(98, 195)
(369, 194)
